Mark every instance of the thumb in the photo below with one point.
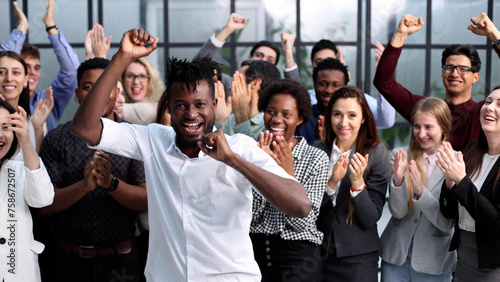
(460, 157)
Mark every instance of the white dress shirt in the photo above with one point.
(199, 208)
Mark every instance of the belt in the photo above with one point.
(121, 248)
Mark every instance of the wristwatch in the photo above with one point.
(113, 186)
(496, 45)
(51, 27)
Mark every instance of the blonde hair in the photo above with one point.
(155, 84)
(439, 110)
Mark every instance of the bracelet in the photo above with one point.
(357, 190)
(51, 27)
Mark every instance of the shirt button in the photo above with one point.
(268, 249)
(2, 241)
(416, 220)
(267, 242)
(268, 264)
(268, 257)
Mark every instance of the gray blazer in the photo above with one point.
(361, 236)
(425, 224)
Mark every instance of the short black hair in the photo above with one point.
(189, 74)
(331, 64)
(264, 70)
(321, 45)
(467, 50)
(266, 44)
(293, 88)
(90, 64)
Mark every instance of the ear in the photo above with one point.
(255, 84)
(215, 104)
(300, 120)
(476, 77)
(78, 96)
(168, 107)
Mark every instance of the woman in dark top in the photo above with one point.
(471, 194)
(355, 194)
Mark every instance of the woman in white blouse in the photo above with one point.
(22, 183)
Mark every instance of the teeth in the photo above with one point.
(9, 87)
(489, 118)
(277, 129)
(192, 124)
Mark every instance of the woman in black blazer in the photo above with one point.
(471, 193)
(355, 194)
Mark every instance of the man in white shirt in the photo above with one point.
(199, 183)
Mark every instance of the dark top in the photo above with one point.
(307, 130)
(465, 117)
(361, 236)
(484, 208)
(97, 219)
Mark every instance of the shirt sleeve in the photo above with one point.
(14, 42)
(64, 85)
(124, 139)
(39, 190)
(398, 96)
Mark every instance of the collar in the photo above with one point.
(432, 158)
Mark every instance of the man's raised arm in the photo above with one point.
(87, 121)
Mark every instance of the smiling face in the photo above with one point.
(281, 116)
(264, 53)
(490, 114)
(346, 119)
(12, 79)
(34, 67)
(6, 136)
(427, 132)
(327, 82)
(134, 87)
(458, 85)
(89, 77)
(192, 115)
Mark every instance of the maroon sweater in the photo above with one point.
(465, 117)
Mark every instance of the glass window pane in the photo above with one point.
(338, 21)
(386, 14)
(266, 19)
(129, 15)
(450, 19)
(65, 13)
(5, 30)
(195, 21)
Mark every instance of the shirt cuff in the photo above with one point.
(290, 69)
(216, 42)
(355, 193)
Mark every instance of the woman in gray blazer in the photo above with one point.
(416, 240)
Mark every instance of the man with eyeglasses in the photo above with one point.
(460, 70)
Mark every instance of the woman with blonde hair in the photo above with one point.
(355, 196)
(416, 240)
(143, 88)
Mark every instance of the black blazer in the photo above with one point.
(484, 207)
(361, 236)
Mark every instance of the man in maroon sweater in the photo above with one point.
(460, 70)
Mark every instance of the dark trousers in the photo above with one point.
(286, 260)
(71, 267)
(362, 267)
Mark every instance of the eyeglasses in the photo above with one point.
(131, 77)
(463, 70)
